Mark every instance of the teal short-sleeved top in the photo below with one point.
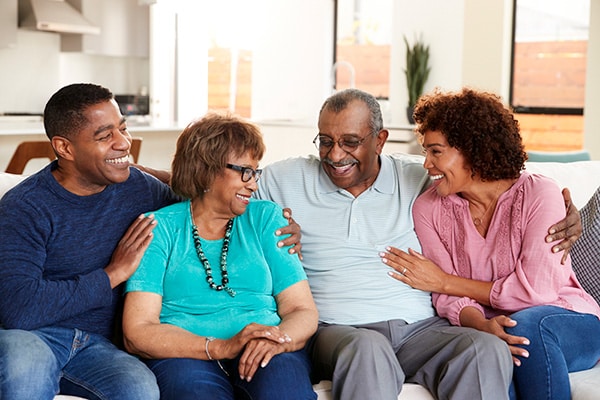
(258, 271)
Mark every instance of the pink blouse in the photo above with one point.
(514, 254)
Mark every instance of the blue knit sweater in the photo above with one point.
(54, 246)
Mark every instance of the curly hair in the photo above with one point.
(64, 114)
(204, 147)
(479, 126)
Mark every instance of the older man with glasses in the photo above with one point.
(375, 333)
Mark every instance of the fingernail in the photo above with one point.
(279, 244)
(525, 354)
(278, 232)
(384, 260)
(526, 342)
(555, 249)
(552, 231)
(263, 364)
(268, 333)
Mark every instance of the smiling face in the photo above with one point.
(354, 171)
(445, 165)
(98, 154)
(229, 195)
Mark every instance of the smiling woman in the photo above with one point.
(214, 284)
(482, 227)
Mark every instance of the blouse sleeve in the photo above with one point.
(538, 274)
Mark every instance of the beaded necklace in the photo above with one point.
(206, 264)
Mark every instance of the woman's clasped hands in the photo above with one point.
(256, 345)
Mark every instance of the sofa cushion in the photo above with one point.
(586, 250)
(7, 181)
(581, 177)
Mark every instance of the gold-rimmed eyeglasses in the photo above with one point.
(347, 143)
(247, 172)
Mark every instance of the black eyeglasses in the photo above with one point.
(347, 143)
(247, 172)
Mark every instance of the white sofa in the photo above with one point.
(582, 178)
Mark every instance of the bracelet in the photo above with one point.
(208, 340)
(206, 343)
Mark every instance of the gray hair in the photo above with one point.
(340, 100)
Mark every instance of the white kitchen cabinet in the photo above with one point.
(124, 28)
(8, 23)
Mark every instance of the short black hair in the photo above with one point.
(64, 112)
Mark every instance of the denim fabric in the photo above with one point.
(561, 341)
(37, 364)
(286, 377)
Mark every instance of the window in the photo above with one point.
(230, 56)
(362, 43)
(549, 56)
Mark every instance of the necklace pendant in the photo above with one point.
(230, 291)
(476, 221)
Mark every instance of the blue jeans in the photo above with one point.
(562, 341)
(286, 377)
(38, 364)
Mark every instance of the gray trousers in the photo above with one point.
(373, 361)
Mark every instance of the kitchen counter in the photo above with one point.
(157, 149)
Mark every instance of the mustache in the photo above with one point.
(341, 163)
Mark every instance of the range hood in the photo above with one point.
(54, 16)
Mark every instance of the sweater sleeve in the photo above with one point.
(30, 299)
(426, 213)
(538, 274)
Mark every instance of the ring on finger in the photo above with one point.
(404, 271)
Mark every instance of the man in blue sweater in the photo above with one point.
(70, 235)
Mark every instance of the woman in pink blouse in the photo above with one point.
(481, 226)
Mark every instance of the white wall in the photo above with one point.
(29, 72)
(292, 60)
(592, 85)
(34, 69)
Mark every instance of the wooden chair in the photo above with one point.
(29, 150)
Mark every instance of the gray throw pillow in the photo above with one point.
(586, 251)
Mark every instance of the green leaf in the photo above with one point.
(417, 69)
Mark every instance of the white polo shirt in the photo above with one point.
(343, 235)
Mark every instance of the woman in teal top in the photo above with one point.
(216, 308)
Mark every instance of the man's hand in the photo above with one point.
(130, 250)
(292, 229)
(567, 230)
(162, 175)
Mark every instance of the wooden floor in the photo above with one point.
(551, 132)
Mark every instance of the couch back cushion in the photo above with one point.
(582, 178)
(7, 181)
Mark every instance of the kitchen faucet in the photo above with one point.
(334, 68)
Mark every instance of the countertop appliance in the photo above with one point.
(132, 104)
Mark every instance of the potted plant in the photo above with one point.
(417, 71)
